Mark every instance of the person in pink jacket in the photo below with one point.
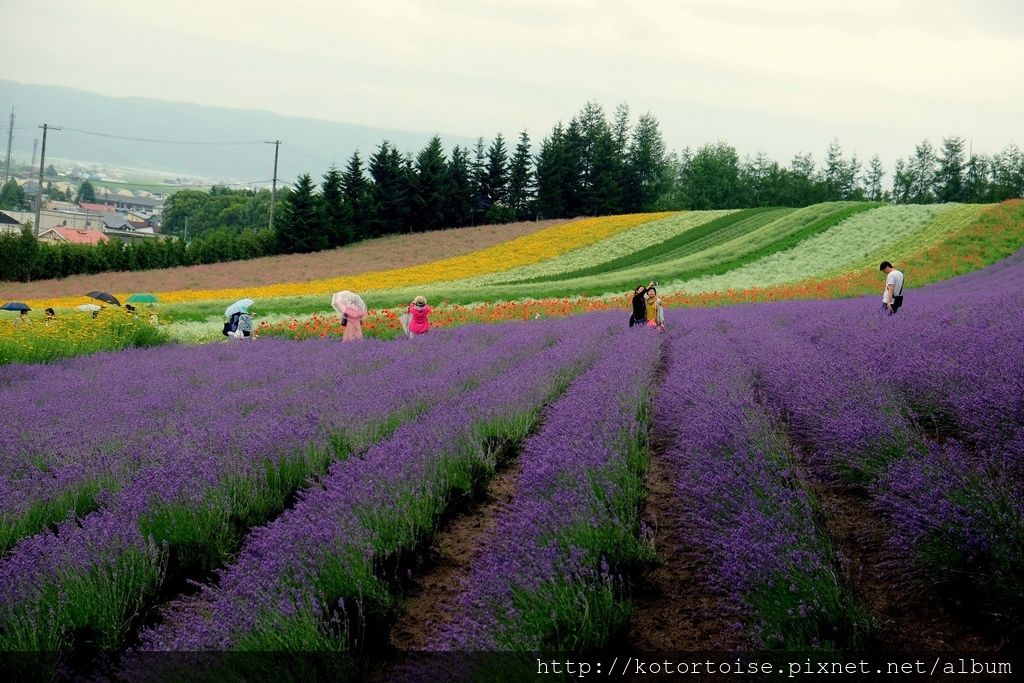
(353, 324)
(419, 316)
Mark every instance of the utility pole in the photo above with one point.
(39, 191)
(273, 187)
(10, 139)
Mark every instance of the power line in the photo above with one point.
(298, 151)
(163, 142)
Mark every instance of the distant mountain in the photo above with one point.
(310, 144)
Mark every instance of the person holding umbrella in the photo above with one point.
(353, 323)
(351, 309)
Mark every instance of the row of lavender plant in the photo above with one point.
(733, 471)
(883, 402)
(91, 425)
(552, 575)
(93, 577)
(318, 574)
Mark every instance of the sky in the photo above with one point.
(779, 77)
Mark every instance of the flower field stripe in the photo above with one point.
(845, 245)
(552, 575)
(321, 560)
(601, 256)
(773, 566)
(193, 511)
(688, 242)
(934, 232)
(717, 247)
(73, 334)
(543, 244)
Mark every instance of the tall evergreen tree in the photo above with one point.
(949, 178)
(571, 162)
(902, 183)
(495, 176)
(606, 174)
(921, 173)
(648, 171)
(301, 226)
(873, 180)
(355, 190)
(337, 221)
(479, 170)
(550, 170)
(520, 178)
(429, 187)
(388, 193)
(977, 186)
(460, 194)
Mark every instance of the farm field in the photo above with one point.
(700, 258)
(813, 470)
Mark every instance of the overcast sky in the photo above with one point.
(779, 77)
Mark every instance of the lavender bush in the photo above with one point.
(193, 508)
(314, 575)
(552, 576)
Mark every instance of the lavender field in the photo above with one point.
(842, 478)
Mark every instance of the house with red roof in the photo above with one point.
(72, 235)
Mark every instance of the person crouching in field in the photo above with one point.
(419, 316)
(639, 315)
(892, 295)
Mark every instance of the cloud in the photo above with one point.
(767, 75)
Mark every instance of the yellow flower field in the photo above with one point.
(539, 246)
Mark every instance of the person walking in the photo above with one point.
(639, 315)
(419, 316)
(353, 324)
(892, 295)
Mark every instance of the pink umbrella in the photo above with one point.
(345, 299)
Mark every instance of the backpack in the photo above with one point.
(245, 322)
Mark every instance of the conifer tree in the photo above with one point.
(520, 178)
(459, 195)
(429, 187)
(301, 226)
(355, 190)
(337, 221)
(495, 177)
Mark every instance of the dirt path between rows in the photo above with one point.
(432, 601)
(909, 613)
(673, 609)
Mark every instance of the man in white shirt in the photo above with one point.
(892, 295)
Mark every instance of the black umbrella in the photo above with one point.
(103, 296)
(15, 306)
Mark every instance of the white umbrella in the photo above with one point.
(344, 299)
(240, 305)
(89, 307)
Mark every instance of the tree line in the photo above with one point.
(592, 165)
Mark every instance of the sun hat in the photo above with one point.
(420, 301)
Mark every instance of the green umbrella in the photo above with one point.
(143, 299)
